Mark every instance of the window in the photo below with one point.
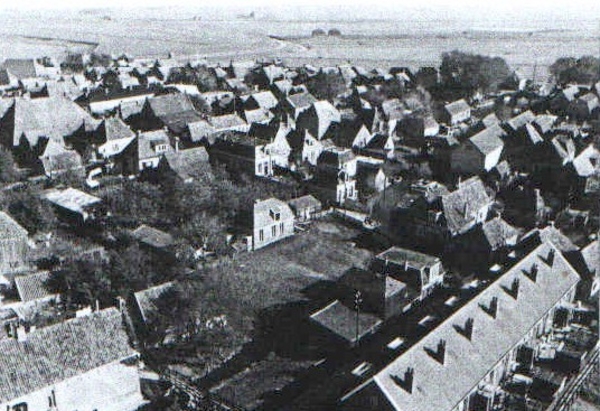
(259, 168)
(281, 227)
(20, 407)
(261, 235)
(274, 231)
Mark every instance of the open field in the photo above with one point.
(375, 43)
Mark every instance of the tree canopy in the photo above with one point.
(583, 70)
(465, 74)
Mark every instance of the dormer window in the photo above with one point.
(275, 215)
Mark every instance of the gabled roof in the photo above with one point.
(200, 130)
(521, 120)
(564, 147)
(393, 109)
(33, 286)
(113, 128)
(301, 101)
(258, 116)
(57, 158)
(153, 237)
(335, 157)
(499, 233)
(557, 238)
(21, 68)
(71, 199)
(442, 385)
(532, 134)
(591, 257)
(46, 117)
(488, 140)
(170, 104)
(590, 100)
(148, 140)
(265, 211)
(462, 205)
(570, 92)
(587, 163)
(227, 122)
(304, 202)
(490, 120)
(342, 321)
(264, 99)
(457, 107)
(56, 353)
(146, 299)
(9, 228)
(187, 163)
(402, 256)
(545, 122)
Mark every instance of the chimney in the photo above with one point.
(405, 383)
(441, 351)
(549, 260)
(176, 144)
(514, 288)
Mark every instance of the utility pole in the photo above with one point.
(357, 302)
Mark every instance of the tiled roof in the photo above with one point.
(490, 120)
(57, 158)
(149, 139)
(587, 162)
(200, 130)
(466, 362)
(33, 286)
(21, 68)
(304, 202)
(46, 117)
(113, 128)
(560, 241)
(400, 256)
(146, 299)
(71, 199)
(9, 228)
(264, 99)
(591, 257)
(533, 134)
(265, 210)
(56, 353)
(462, 205)
(545, 122)
(488, 140)
(186, 163)
(258, 116)
(168, 104)
(457, 107)
(227, 122)
(301, 100)
(499, 233)
(393, 109)
(341, 320)
(152, 236)
(520, 120)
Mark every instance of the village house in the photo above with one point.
(585, 107)
(420, 272)
(75, 205)
(295, 104)
(57, 159)
(187, 165)
(319, 119)
(151, 147)
(562, 100)
(312, 147)
(280, 148)
(245, 154)
(264, 100)
(101, 102)
(372, 176)
(153, 239)
(525, 302)
(144, 308)
(55, 364)
(305, 208)
(118, 147)
(173, 111)
(13, 244)
(335, 176)
(379, 146)
(456, 112)
(393, 113)
(32, 287)
(273, 220)
(480, 153)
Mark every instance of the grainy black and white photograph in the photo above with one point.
(302, 205)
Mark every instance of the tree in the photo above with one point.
(584, 70)
(326, 85)
(8, 167)
(25, 204)
(465, 74)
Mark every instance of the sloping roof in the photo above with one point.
(227, 122)
(457, 107)
(258, 116)
(62, 351)
(461, 206)
(46, 117)
(564, 147)
(490, 120)
(570, 92)
(200, 130)
(393, 109)
(152, 236)
(265, 210)
(149, 139)
(4, 78)
(441, 387)
(532, 134)
(264, 99)
(587, 162)
(556, 237)
(488, 140)
(185, 163)
(21, 68)
(169, 104)
(146, 299)
(545, 122)
(400, 256)
(113, 128)
(499, 233)
(9, 228)
(33, 286)
(301, 100)
(304, 202)
(591, 257)
(520, 120)
(114, 147)
(71, 199)
(341, 320)
(57, 158)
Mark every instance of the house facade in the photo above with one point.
(273, 221)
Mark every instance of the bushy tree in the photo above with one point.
(584, 70)
(25, 205)
(465, 74)
(8, 167)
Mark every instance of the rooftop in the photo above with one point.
(341, 320)
(146, 299)
(9, 228)
(33, 286)
(153, 237)
(71, 199)
(415, 259)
